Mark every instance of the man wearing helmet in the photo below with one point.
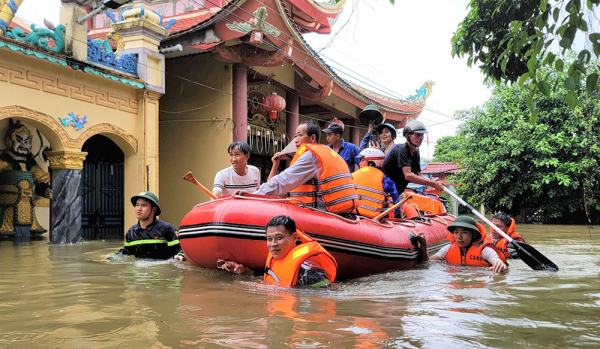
(376, 192)
(402, 163)
(150, 237)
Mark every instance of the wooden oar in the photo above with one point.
(387, 212)
(534, 259)
(190, 177)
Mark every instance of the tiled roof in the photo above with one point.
(441, 168)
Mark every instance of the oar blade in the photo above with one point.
(533, 258)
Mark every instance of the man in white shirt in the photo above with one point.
(239, 176)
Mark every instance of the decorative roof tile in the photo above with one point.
(441, 168)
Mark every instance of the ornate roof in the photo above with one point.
(434, 168)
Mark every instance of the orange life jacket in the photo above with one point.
(372, 200)
(473, 256)
(334, 185)
(286, 268)
(502, 244)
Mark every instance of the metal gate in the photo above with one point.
(102, 211)
(102, 185)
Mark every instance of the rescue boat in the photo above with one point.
(233, 228)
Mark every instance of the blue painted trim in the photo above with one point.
(113, 78)
(170, 24)
(111, 16)
(33, 53)
(142, 13)
(12, 5)
(3, 25)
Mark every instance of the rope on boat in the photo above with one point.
(291, 201)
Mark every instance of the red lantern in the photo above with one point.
(335, 121)
(273, 103)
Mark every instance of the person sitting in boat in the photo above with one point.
(240, 175)
(150, 237)
(507, 225)
(318, 176)
(376, 191)
(469, 245)
(402, 163)
(347, 150)
(294, 258)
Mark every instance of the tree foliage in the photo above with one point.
(551, 165)
(525, 41)
(449, 149)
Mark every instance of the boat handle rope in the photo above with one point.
(386, 225)
(406, 224)
(291, 201)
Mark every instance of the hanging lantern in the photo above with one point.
(273, 103)
(335, 121)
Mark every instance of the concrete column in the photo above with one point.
(66, 201)
(75, 33)
(240, 102)
(150, 100)
(292, 105)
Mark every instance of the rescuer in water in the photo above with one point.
(150, 237)
(507, 225)
(294, 258)
(469, 245)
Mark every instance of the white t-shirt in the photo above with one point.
(227, 181)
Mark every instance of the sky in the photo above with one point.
(392, 48)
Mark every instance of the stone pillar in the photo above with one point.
(292, 104)
(67, 197)
(7, 13)
(240, 102)
(75, 33)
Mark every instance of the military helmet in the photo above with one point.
(148, 195)
(466, 222)
(387, 125)
(370, 114)
(414, 126)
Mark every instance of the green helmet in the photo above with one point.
(148, 195)
(414, 126)
(370, 114)
(466, 222)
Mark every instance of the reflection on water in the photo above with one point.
(56, 296)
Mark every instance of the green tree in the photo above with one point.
(551, 165)
(526, 41)
(449, 149)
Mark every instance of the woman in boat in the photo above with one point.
(294, 258)
(507, 225)
(469, 245)
(387, 135)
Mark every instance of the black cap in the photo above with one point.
(335, 128)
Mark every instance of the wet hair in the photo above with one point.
(312, 129)
(288, 224)
(243, 146)
(502, 217)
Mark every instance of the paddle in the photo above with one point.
(386, 212)
(534, 259)
(190, 177)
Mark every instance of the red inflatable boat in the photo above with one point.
(233, 228)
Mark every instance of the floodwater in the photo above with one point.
(64, 296)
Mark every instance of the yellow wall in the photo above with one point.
(197, 146)
(38, 92)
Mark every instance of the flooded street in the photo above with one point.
(64, 296)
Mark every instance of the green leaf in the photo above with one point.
(551, 57)
(559, 65)
(393, 2)
(570, 83)
(582, 25)
(530, 99)
(596, 48)
(572, 99)
(584, 56)
(503, 64)
(523, 78)
(543, 4)
(565, 42)
(556, 14)
(592, 82)
(544, 88)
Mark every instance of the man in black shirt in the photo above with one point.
(150, 237)
(402, 163)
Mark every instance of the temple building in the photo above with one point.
(133, 98)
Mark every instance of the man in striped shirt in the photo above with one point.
(240, 175)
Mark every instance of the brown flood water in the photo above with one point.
(63, 296)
